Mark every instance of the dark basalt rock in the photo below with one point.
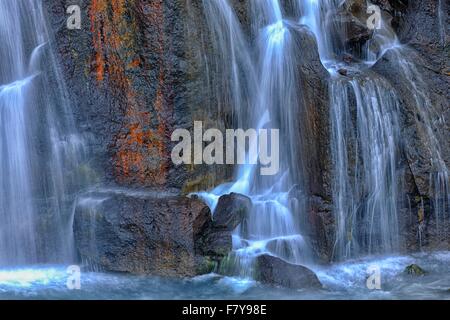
(136, 72)
(231, 210)
(214, 239)
(274, 271)
(153, 233)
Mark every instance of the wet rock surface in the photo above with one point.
(139, 232)
(231, 210)
(136, 72)
(155, 232)
(274, 271)
(214, 237)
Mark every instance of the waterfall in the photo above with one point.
(39, 149)
(264, 94)
(365, 160)
(366, 137)
(431, 119)
(366, 140)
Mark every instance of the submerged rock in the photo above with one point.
(343, 72)
(274, 271)
(415, 270)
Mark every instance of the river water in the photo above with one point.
(341, 281)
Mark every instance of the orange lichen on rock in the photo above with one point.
(141, 154)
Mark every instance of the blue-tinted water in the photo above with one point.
(341, 281)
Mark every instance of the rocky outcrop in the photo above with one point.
(214, 237)
(136, 72)
(155, 232)
(274, 271)
(139, 232)
(231, 210)
(419, 74)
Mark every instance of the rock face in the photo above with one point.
(425, 111)
(231, 210)
(274, 271)
(136, 72)
(213, 240)
(158, 233)
(142, 233)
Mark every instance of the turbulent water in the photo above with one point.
(341, 281)
(34, 112)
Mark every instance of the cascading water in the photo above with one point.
(439, 177)
(365, 186)
(365, 127)
(365, 140)
(430, 118)
(271, 101)
(259, 78)
(39, 149)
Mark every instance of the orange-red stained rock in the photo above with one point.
(142, 153)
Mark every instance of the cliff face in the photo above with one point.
(139, 69)
(136, 72)
(423, 87)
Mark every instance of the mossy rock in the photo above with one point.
(415, 270)
(206, 265)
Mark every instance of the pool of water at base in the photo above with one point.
(341, 281)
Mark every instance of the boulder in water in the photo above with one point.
(275, 271)
(343, 72)
(415, 270)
